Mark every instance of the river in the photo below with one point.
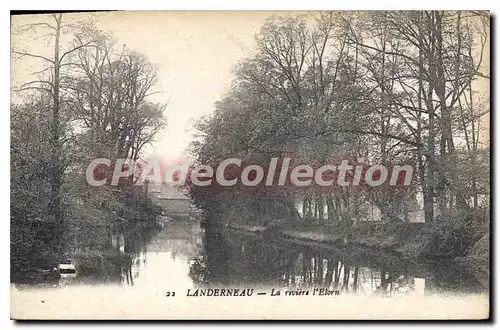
(180, 257)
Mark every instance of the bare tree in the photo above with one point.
(50, 83)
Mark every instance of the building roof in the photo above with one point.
(172, 193)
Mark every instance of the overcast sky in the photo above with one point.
(195, 51)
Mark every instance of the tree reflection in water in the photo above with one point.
(244, 260)
(234, 259)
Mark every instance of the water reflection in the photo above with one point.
(239, 259)
(180, 256)
(165, 260)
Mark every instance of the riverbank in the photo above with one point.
(465, 245)
(375, 236)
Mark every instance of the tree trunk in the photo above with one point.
(321, 210)
(331, 209)
(56, 166)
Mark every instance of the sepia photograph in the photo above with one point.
(250, 165)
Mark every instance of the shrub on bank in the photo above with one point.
(453, 234)
(106, 263)
(478, 259)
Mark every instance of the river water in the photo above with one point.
(180, 258)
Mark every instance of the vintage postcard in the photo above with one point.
(211, 165)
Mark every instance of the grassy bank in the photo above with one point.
(454, 237)
(107, 264)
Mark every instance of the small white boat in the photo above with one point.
(67, 270)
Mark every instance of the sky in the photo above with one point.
(195, 51)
